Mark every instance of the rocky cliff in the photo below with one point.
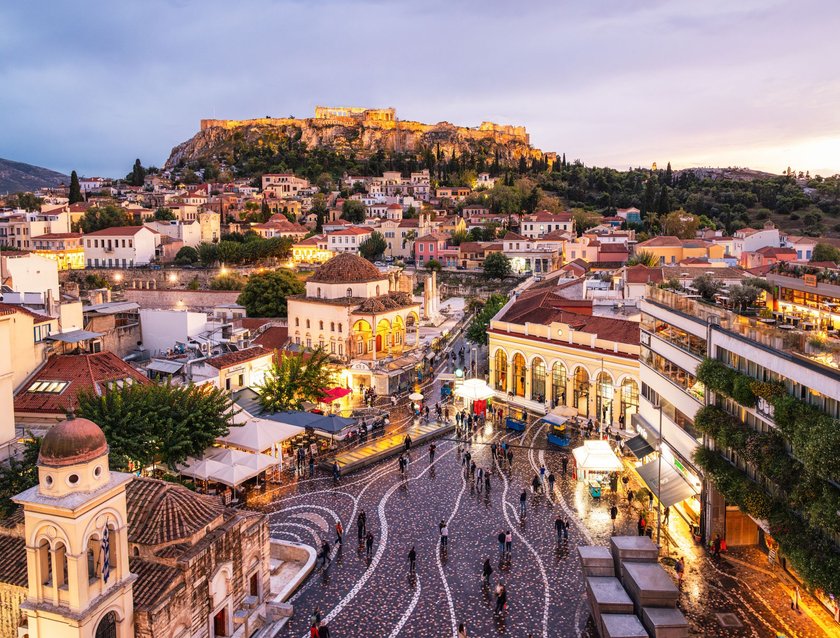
(225, 140)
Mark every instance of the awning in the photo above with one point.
(257, 435)
(164, 366)
(334, 394)
(554, 419)
(74, 336)
(597, 456)
(639, 446)
(674, 487)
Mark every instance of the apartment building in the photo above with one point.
(121, 247)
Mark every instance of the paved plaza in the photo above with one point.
(376, 596)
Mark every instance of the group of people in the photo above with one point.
(302, 458)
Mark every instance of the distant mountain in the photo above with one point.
(17, 176)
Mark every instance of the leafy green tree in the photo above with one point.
(229, 252)
(459, 237)
(825, 252)
(24, 201)
(208, 254)
(164, 214)
(496, 266)
(373, 247)
(742, 296)
(433, 265)
(295, 378)
(137, 175)
(265, 293)
(186, 255)
(20, 474)
(110, 216)
(707, 286)
(227, 282)
(152, 423)
(75, 189)
(477, 330)
(644, 258)
(319, 208)
(679, 223)
(353, 211)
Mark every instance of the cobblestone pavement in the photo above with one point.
(376, 596)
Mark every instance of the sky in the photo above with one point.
(93, 85)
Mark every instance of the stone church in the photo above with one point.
(93, 553)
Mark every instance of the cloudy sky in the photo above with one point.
(92, 85)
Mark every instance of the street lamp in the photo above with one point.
(658, 407)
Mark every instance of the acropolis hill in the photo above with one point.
(360, 131)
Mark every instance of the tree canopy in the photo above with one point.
(353, 211)
(497, 266)
(825, 252)
(295, 378)
(137, 175)
(101, 217)
(373, 247)
(477, 330)
(265, 293)
(75, 195)
(158, 423)
(20, 474)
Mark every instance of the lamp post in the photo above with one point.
(658, 407)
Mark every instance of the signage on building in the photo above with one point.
(809, 280)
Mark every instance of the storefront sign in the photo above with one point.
(809, 280)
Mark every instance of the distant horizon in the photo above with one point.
(92, 85)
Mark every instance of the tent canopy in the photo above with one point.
(674, 487)
(295, 417)
(332, 424)
(259, 462)
(597, 456)
(554, 419)
(334, 394)
(259, 434)
(200, 468)
(474, 390)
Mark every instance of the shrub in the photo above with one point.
(742, 390)
(716, 376)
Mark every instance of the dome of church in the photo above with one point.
(71, 442)
(347, 268)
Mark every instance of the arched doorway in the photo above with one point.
(629, 400)
(501, 370)
(558, 384)
(383, 337)
(538, 380)
(362, 337)
(581, 391)
(107, 627)
(604, 393)
(519, 375)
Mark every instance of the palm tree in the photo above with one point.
(295, 378)
(644, 258)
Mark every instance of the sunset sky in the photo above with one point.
(92, 85)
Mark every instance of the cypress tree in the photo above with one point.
(75, 188)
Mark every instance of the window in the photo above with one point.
(48, 387)
(538, 380)
(339, 327)
(349, 292)
(320, 325)
(41, 332)
(307, 323)
(297, 321)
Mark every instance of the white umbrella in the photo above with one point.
(415, 396)
(597, 456)
(232, 475)
(259, 434)
(474, 390)
(200, 468)
(565, 410)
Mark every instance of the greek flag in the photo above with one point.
(106, 554)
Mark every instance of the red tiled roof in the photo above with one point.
(311, 241)
(661, 240)
(58, 236)
(273, 338)
(240, 356)
(8, 308)
(154, 580)
(121, 231)
(640, 274)
(512, 236)
(83, 372)
(13, 560)
(352, 231)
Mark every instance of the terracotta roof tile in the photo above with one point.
(347, 268)
(273, 338)
(240, 356)
(8, 308)
(13, 560)
(120, 231)
(154, 581)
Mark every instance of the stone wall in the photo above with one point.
(11, 596)
(199, 300)
(150, 279)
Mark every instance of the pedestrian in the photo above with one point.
(446, 413)
(667, 514)
(535, 484)
(325, 553)
(795, 599)
(565, 530)
(625, 480)
(650, 500)
(716, 546)
(551, 483)
(432, 449)
(369, 544)
(542, 473)
(311, 464)
(613, 515)
(339, 533)
(479, 478)
(680, 569)
(443, 530)
(412, 560)
(361, 523)
(510, 458)
(323, 630)
(641, 524)
(486, 571)
(523, 498)
(336, 472)
(508, 542)
(487, 480)
(407, 442)
(501, 598)
(462, 630)
(458, 420)
(558, 528)
(630, 498)
(501, 539)
(493, 450)
(472, 468)
(565, 463)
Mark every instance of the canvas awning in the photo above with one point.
(674, 487)
(597, 456)
(258, 462)
(334, 394)
(257, 435)
(74, 336)
(639, 446)
(331, 424)
(554, 419)
(164, 366)
(294, 417)
(199, 468)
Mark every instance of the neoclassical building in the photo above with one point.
(546, 351)
(354, 311)
(93, 553)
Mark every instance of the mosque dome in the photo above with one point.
(72, 442)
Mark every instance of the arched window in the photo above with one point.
(307, 323)
(107, 627)
(349, 292)
(538, 380)
(45, 562)
(558, 384)
(320, 325)
(297, 321)
(92, 555)
(377, 290)
(581, 391)
(332, 326)
(519, 375)
(319, 292)
(501, 370)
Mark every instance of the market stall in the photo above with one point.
(594, 461)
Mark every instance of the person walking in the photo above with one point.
(523, 498)
(641, 524)
(369, 544)
(462, 630)
(501, 539)
(486, 571)
(311, 464)
(666, 515)
(542, 473)
(479, 479)
(339, 533)
(551, 483)
(325, 553)
(407, 442)
(565, 530)
(613, 515)
(536, 486)
(493, 450)
(510, 458)
(412, 561)
(508, 542)
(558, 528)
(472, 468)
(443, 530)
(446, 413)
(336, 472)
(565, 464)
(716, 546)
(501, 598)
(361, 524)
(679, 567)
(630, 497)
